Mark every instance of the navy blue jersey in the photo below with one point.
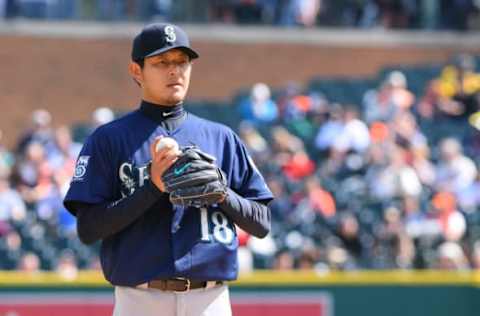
(167, 241)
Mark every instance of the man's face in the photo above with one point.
(164, 78)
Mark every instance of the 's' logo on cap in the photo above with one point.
(170, 35)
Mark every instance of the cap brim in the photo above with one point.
(190, 52)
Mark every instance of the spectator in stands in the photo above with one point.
(401, 250)
(12, 207)
(469, 198)
(348, 230)
(26, 171)
(429, 14)
(392, 97)
(399, 93)
(455, 14)
(455, 93)
(255, 142)
(248, 11)
(422, 165)
(41, 131)
(62, 158)
(300, 112)
(442, 222)
(245, 256)
(292, 103)
(298, 166)
(406, 132)
(298, 12)
(308, 259)
(259, 108)
(347, 145)
(390, 176)
(307, 222)
(284, 260)
(338, 259)
(35, 180)
(306, 12)
(290, 155)
(29, 263)
(67, 266)
(283, 142)
(13, 247)
(431, 106)
(13, 241)
(354, 135)
(455, 171)
(450, 256)
(263, 251)
(413, 217)
(328, 131)
(398, 13)
(283, 208)
(285, 15)
(450, 220)
(475, 258)
(320, 200)
(48, 204)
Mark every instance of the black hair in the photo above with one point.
(140, 62)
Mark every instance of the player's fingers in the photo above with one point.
(167, 163)
(164, 160)
(153, 146)
(167, 159)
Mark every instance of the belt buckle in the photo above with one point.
(187, 285)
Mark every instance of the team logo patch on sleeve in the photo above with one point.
(81, 168)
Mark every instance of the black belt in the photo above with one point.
(180, 284)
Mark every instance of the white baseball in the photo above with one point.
(167, 141)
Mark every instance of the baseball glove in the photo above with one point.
(194, 179)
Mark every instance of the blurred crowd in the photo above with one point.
(405, 14)
(390, 181)
(36, 231)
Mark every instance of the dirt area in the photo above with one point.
(72, 77)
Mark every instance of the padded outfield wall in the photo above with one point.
(374, 293)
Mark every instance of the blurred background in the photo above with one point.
(363, 115)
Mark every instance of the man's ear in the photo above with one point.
(136, 72)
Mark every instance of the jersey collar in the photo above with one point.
(161, 113)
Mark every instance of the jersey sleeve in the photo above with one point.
(245, 178)
(93, 179)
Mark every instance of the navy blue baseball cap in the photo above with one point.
(158, 38)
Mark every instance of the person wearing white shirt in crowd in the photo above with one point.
(455, 172)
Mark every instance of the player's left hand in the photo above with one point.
(195, 180)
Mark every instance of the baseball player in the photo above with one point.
(166, 215)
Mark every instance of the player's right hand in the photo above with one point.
(161, 161)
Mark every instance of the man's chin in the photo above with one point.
(174, 100)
